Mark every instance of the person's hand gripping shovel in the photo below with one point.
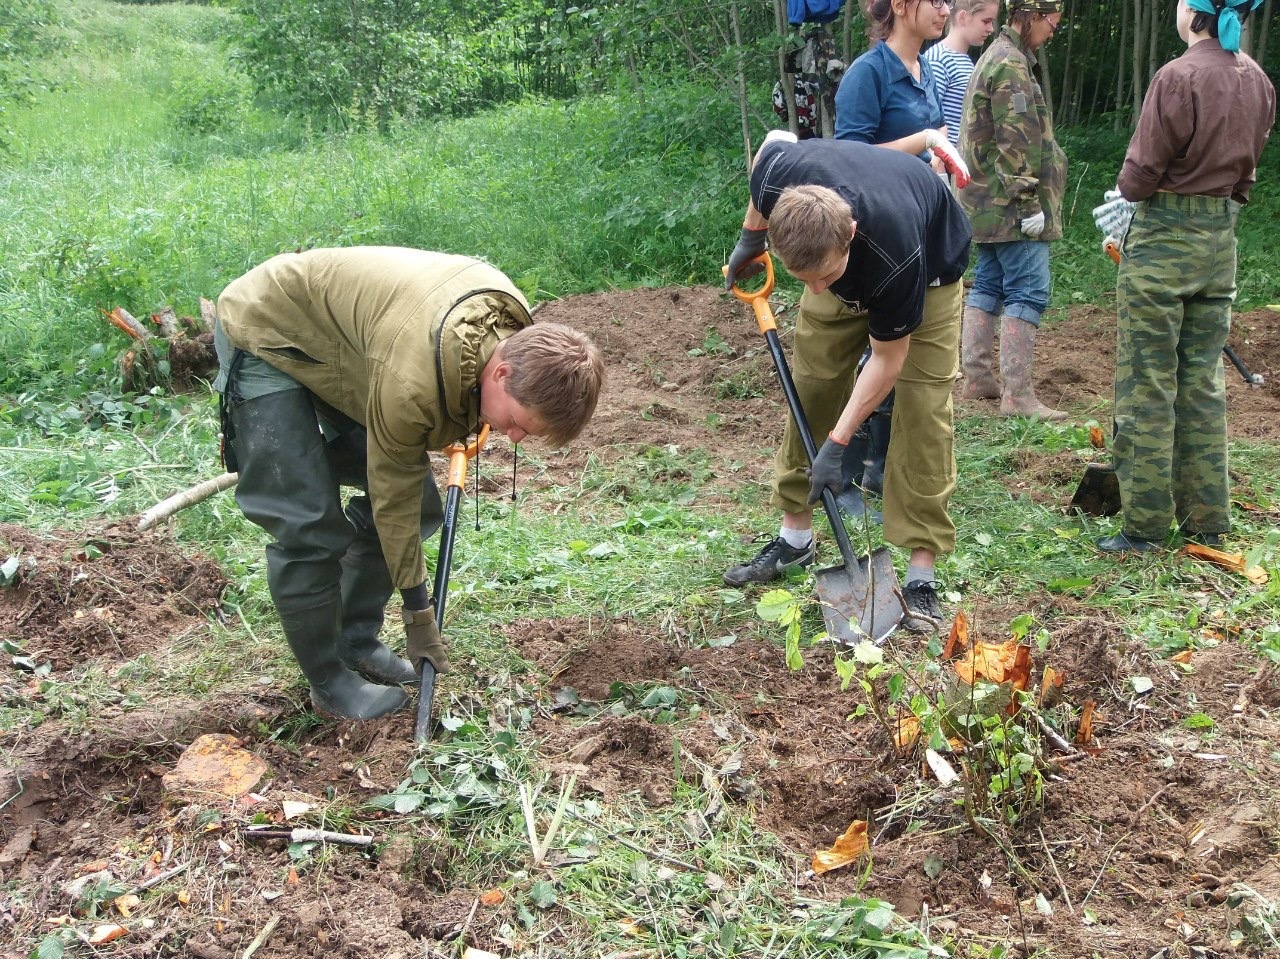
(860, 598)
(426, 645)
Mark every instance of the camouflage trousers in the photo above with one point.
(1173, 298)
(920, 471)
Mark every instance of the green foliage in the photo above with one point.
(371, 62)
(210, 101)
(26, 34)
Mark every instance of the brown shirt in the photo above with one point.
(1204, 122)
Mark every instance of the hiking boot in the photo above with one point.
(1124, 543)
(770, 563)
(924, 612)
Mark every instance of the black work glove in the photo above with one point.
(827, 471)
(750, 245)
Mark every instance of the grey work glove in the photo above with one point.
(750, 245)
(1032, 226)
(827, 471)
(422, 639)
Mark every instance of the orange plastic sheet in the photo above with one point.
(1229, 561)
(850, 847)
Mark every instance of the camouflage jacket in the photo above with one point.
(1007, 139)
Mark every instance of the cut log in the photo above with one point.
(188, 497)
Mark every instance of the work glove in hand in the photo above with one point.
(423, 640)
(1113, 216)
(827, 471)
(750, 245)
(949, 155)
(1032, 226)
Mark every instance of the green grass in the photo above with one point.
(110, 201)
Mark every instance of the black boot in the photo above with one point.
(336, 691)
(851, 501)
(366, 590)
(878, 425)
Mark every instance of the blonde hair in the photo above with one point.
(808, 225)
(556, 373)
(971, 6)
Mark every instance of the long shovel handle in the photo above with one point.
(1253, 379)
(768, 326)
(458, 455)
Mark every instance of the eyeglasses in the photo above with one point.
(942, 4)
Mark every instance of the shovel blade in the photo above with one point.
(861, 602)
(1099, 491)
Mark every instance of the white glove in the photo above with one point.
(1114, 215)
(1033, 225)
(935, 140)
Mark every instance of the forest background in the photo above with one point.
(579, 147)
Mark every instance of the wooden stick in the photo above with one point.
(188, 497)
(159, 878)
(309, 835)
(261, 937)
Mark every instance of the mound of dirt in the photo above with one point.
(105, 594)
(1170, 826)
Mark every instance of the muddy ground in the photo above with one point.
(1135, 848)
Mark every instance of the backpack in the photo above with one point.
(813, 11)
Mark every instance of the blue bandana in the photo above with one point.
(1228, 18)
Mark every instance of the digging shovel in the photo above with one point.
(458, 455)
(860, 597)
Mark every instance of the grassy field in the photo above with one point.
(147, 175)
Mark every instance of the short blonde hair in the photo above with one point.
(557, 374)
(809, 225)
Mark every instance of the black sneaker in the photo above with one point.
(770, 563)
(924, 613)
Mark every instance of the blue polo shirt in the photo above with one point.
(879, 101)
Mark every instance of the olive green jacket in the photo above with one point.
(1007, 140)
(394, 338)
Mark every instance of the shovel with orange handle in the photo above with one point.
(458, 454)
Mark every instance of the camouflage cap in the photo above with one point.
(1035, 6)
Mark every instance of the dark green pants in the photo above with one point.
(1174, 293)
(920, 471)
(291, 477)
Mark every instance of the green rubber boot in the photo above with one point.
(366, 590)
(336, 690)
(288, 486)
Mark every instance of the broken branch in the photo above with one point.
(309, 835)
(188, 497)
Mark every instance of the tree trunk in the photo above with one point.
(1258, 38)
(1118, 106)
(1067, 93)
(1139, 48)
(742, 83)
(788, 81)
